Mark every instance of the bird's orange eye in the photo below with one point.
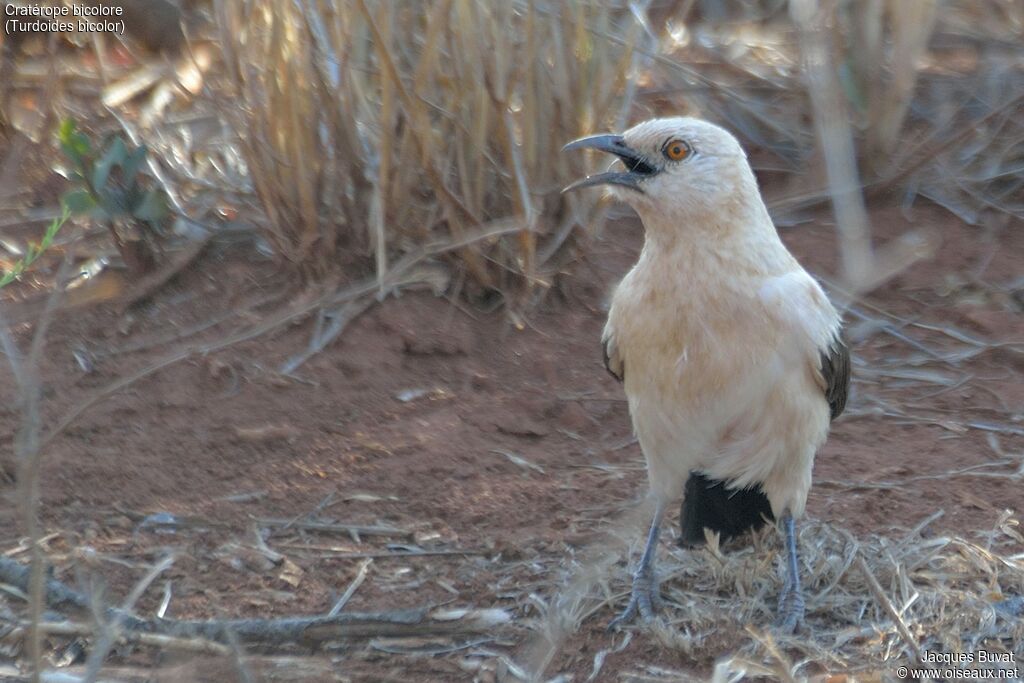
(676, 150)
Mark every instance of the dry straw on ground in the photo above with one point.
(873, 603)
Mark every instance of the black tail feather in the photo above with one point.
(708, 503)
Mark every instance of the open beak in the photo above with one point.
(637, 166)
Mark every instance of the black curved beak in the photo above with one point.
(637, 166)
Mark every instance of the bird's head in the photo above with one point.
(675, 166)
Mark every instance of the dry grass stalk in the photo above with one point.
(383, 125)
(911, 26)
(836, 139)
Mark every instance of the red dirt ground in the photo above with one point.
(519, 448)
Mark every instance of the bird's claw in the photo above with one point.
(644, 600)
(791, 609)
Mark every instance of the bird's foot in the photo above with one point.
(791, 608)
(645, 600)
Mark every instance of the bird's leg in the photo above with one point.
(644, 597)
(791, 599)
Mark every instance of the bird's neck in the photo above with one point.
(737, 235)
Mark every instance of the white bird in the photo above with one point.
(730, 353)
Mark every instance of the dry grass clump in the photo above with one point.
(372, 126)
(873, 604)
(951, 595)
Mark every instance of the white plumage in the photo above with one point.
(728, 349)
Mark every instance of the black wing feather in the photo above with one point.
(608, 360)
(835, 368)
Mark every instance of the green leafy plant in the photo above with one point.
(108, 189)
(34, 251)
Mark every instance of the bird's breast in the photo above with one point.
(688, 342)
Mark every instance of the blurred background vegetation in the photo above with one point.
(345, 135)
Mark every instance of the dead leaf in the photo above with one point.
(521, 425)
(290, 573)
(266, 433)
(970, 500)
(952, 426)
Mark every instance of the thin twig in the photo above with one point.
(28, 452)
(197, 645)
(326, 553)
(333, 527)
(352, 587)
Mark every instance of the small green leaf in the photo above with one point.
(74, 143)
(113, 203)
(114, 155)
(66, 129)
(133, 163)
(152, 208)
(78, 201)
(72, 154)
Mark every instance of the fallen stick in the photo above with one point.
(211, 635)
(317, 629)
(201, 645)
(397, 554)
(424, 621)
(58, 595)
(333, 553)
(331, 527)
